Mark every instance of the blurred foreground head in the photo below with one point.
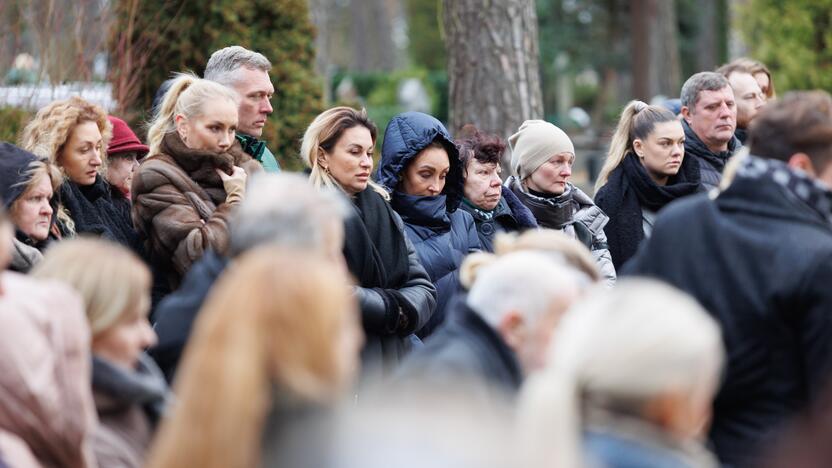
(284, 210)
(552, 243)
(256, 350)
(643, 353)
(114, 285)
(522, 296)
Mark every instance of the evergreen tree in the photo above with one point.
(183, 34)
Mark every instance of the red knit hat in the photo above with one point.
(124, 140)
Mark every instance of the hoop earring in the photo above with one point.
(326, 169)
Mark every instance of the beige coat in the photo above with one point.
(45, 393)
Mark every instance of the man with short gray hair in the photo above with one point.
(709, 117)
(501, 331)
(279, 209)
(247, 72)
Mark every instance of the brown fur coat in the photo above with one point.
(179, 207)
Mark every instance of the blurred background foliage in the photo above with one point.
(390, 55)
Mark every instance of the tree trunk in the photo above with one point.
(492, 64)
(655, 52)
(707, 36)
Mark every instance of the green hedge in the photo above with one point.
(12, 121)
(185, 34)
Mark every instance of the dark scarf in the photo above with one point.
(430, 212)
(694, 146)
(552, 211)
(95, 211)
(375, 249)
(376, 253)
(806, 196)
(117, 389)
(629, 190)
(201, 165)
(254, 147)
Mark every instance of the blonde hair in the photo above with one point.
(250, 339)
(47, 133)
(35, 172)
(112, 281)
(323, 134)
(637, 122)
(572, 252)
(599, 355)
(188, 95)
(752, 67)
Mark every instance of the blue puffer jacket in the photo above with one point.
(442, 235)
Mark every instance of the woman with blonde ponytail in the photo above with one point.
(606, 400)
(185, 191)
(645, 170)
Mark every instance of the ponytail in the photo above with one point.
(186, 96)
(163, 120)
(637, 121)
(621, 142)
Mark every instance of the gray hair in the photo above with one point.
(526, 282)
(224, 63)
(284, 209)
(702, 81)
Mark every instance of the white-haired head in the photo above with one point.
(522, 295)
(284, 209)
(619, 351)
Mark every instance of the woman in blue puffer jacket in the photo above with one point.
(421, 168)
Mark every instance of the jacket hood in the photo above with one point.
(406, 135)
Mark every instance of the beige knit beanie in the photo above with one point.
(534, 144)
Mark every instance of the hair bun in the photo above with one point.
(640, 106)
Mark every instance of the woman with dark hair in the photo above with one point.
(646, 169)
(420, 167)
(493, 208)
(394, 292)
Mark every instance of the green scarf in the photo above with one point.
(257, 150)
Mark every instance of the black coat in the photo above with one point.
(467, 352)
(760, 261)
(175, 315)
(510, 215)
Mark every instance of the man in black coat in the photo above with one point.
(279, 209)
(498, 333)
(759, 258)
(709, 117)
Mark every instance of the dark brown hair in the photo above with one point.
(484, 147)
(799, 122)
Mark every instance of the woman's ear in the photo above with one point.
(638, 147)
(181, 124)
(323, 160)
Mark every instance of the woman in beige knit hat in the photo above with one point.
(541, 159)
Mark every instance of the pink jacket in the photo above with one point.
(45, 391)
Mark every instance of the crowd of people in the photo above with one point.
(183, 302)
